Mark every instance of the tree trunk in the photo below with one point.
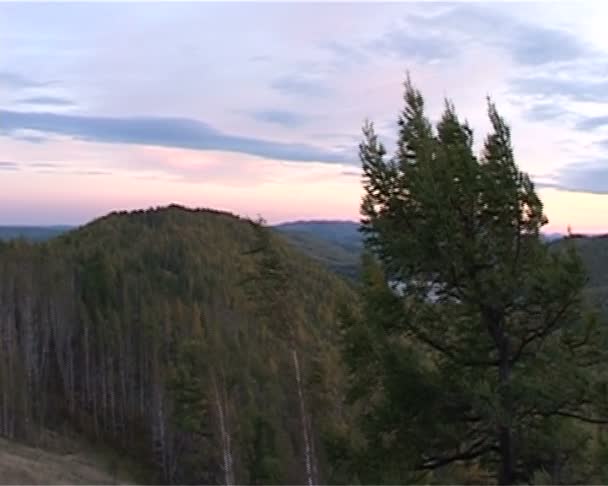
(308, 460)
(226, 451)
(505, 433)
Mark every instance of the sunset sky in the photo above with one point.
(257, 108)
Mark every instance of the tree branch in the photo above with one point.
(474, 451)
(581, 418)
(451, 353)
(542, 331)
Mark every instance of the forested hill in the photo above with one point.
(593, 251)
(342, 233)
(164, 334)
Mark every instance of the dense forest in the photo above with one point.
(155, 331)
(462, 346)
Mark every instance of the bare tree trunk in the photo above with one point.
(308, 455)
(124, 408)
(87, 368)
(160, 432)
(506, 474)
(227, 453)
(112, 396)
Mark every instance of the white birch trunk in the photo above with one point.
(226, 451)
(308, 457)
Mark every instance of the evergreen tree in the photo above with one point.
(476, 332)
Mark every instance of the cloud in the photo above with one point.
(587, 176)
(13, 80)
(350, 173)
(47, 101)
(167, 132)
(548, 87)
(45, 165)
(345, 56)
(279, 117)
(534, 45)
(301, 86)
(260, 58)
(404, 44)
(444, 33)
(546, 112)
(591, 123)
(90, 172)
(527, 43)
(9, 166)
(31, 138)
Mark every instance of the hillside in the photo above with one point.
(335, 244)
(145, 330)
(343, 261)
(341, 233)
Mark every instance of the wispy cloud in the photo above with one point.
(90, 172)
(587, 176)
(45, 165)
(591, 123)
(47, 101)
(295, 85)
(528, 44)
(345, 55)
(283, 118)
(260, 58)
(419, 46)
(167, 132)
(573, 89)
(37, 139)
(547, 112)
(9, 166)
(16, 81)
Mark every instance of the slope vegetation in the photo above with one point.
(143, 330)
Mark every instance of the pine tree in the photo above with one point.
(476, 331)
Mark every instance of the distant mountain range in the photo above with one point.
(334, 243)
(32, 233)
(342, 233)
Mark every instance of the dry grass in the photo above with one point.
(78, 464)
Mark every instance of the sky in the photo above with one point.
(257, 108)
